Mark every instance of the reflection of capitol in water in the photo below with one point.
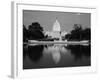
(55, 51)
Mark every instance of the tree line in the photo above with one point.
(35, 32)
(78, 33)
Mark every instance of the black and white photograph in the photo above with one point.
(56, 39)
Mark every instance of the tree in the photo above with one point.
(35, 31)
(86, 35)
(78, 34)
(68, 36)
(25, 33)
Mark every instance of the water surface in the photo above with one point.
(56, 55)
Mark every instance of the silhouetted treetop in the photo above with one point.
(36, 25)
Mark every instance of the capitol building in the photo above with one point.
(56, 32)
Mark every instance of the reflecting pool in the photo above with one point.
(56, 55)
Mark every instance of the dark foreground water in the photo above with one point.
(56, 55)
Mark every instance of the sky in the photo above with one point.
(48, 18)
